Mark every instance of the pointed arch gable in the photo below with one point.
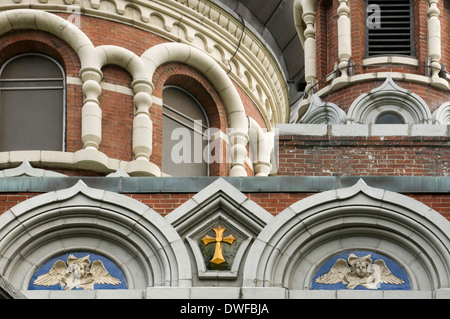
(146, 247)
(219, 204)
(289, 251)
(389, 98)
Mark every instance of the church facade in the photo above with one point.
(224, 149)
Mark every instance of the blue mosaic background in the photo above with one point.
(112, 268)
(393, 267)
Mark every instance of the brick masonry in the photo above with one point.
(364, 156)
(274, 203)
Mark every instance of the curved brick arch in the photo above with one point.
(36, 41)
(191, 80)
(22, 19)
(182, 53)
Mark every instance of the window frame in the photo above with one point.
(64, 87)
(205, 127)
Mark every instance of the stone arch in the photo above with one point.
(442, 115)
(389, 97)
(21, 19)
(197, 85)
(177, 52)
(304, 236)
(146, 247)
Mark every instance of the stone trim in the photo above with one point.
(150, 254)
(358, 217)
(233, 293)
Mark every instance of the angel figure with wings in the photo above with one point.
(359, 271)
(78, 273)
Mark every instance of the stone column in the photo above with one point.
(344, 37)
(142, 131)
(91, 117)
(89, 157)
(238, 141)
(310, 47)
(434, 44)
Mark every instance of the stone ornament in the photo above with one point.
(359, 271)
(77, 274)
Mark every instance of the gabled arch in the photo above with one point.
(389, 97)
(320, 112)
(146, 247)
(305, 235)
(219, 204)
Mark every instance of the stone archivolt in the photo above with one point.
(275, 252)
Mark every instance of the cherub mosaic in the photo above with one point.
(77, 273)
(357, 272)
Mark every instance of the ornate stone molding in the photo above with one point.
(219, 204)
(144, 244)
(320, 112)
(204, 25)
(389, 97)
(360, 217)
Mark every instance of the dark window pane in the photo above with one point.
(31, 104)
(184, 124)
(389, 118)
(389, 27)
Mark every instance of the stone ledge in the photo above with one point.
(272, 184)
(233, 293)
(365, 130)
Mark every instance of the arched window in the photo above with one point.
(32, 104)
(185, 144)
(389, 118)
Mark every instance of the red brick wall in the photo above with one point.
(274, 203)
(357, 18)
(363, 156)
(117, 115)
(444, 6)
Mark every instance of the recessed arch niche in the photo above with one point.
(138, 240)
